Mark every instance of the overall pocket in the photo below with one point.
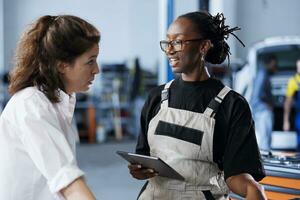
(186, 134)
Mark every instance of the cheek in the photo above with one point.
(187, 59)
(84, 76)
(80, 74)
(68, 77)
(76, 77)
(194, 57)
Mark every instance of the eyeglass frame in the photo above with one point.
(169, 43)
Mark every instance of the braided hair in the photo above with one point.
(214, 29)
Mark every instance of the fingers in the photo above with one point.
(140, 173)
(134, 167)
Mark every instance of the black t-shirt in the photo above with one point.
(235, 149)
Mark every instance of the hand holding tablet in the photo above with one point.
(141, 173)
(147, 163)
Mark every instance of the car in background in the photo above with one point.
(287, 50)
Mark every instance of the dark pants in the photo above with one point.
(297, 127)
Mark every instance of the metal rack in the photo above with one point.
(113, 106)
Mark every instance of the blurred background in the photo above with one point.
(131, 62)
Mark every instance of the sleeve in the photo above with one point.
(150, 108)
(142, 146)
(46, 144)
(241, 152)
(291, 88)
(257, 87)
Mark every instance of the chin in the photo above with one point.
(87, 88)
(83, 89)
(176, 70)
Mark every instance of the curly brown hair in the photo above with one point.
(49, 41)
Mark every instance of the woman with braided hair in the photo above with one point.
(201, 128)
(55, 58)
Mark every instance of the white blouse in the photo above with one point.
(37, 146)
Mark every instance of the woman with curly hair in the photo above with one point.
(55, 58)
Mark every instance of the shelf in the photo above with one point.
(113, 99)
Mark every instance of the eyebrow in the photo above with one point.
(93, 56)
(176, 34)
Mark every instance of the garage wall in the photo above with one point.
(128, 27)
(1, 37)
(264, 18)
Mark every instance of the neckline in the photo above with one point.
(183, 82)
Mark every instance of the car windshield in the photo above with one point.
(286, 56)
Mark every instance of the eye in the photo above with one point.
(176, 42)
(91, 62)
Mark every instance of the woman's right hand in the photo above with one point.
(138, 172)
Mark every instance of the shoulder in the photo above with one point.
(154, 94)
(32, 94)
(236, 98)
(28, 104)
(293, 80)
(30, 99)
(156, 91)
(261, 73)
(25, 93)
(292, 86)
(235, 105)
(232, 98)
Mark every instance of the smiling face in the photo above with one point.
(187, 60)
(79, 75)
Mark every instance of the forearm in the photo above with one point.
(287, 109)
(245, 186)
(77, 190)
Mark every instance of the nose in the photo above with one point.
(170, 50)
(96, 69)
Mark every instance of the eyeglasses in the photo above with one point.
(176, 44)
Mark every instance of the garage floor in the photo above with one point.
(106, 172)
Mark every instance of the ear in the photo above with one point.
(62, 67)
(205, 46)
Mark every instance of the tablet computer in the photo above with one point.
(158, 165)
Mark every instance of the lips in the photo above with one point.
(91, 81)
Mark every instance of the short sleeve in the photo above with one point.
(241, 152)
(292, 87)
(46, 144)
